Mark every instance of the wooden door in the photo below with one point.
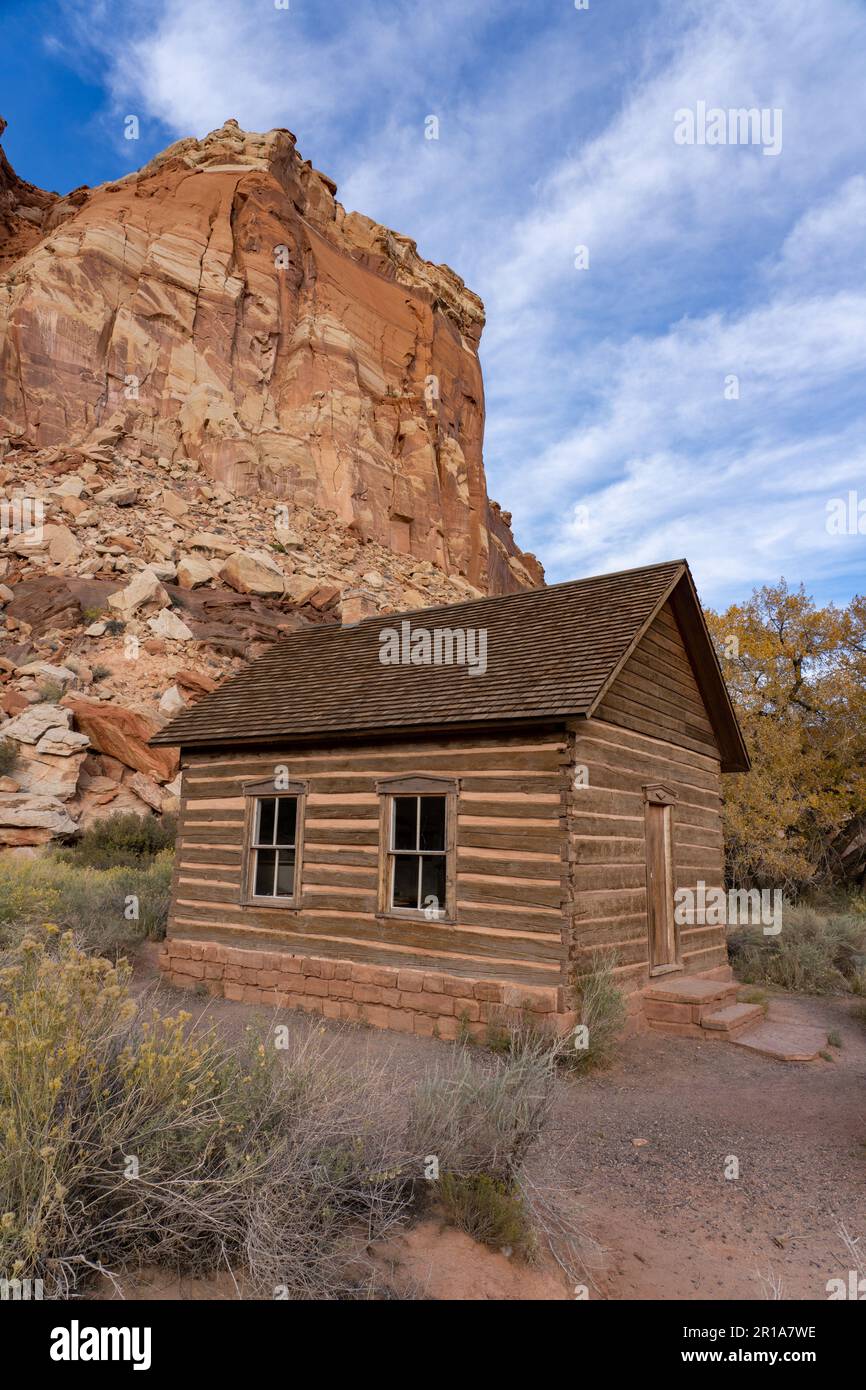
(660, 886)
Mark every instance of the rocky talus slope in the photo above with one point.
(226, 405)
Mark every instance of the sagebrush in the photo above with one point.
(109, 910)
(816, 952)
(128, 1139)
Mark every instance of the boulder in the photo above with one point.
(168, 624)
(195, 680)
(63, 548)
(144, 590)
(300, 589)
(120, 495)
(193, 571)
(62, 743)
(30, 725)
(46, 774)
(61, 674)
(164, 570)
(209, 540)
(148, 790)
(18, 811)
(123, 734)
(287, 538)
(172, 702)
(253, 572)
(173, 504)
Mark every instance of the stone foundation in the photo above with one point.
(425, 1002)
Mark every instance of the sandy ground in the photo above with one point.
(660, 1217)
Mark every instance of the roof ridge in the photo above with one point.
(503, 598)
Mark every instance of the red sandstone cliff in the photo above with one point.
(221, 306)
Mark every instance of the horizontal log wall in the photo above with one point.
(651, 727)
(511, 865)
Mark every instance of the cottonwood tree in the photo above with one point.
(797, 675)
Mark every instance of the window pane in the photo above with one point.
(287, 816)
(432, 822)
(433, 882)
(265, 832)
(405, 822)
(405, 881)
(265, 862)
(286, 873)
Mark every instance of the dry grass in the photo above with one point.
(601, 1010)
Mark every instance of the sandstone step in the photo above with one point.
(732, 1019)
(789, 1042)
(690, 989)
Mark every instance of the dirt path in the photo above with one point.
(668, 1222)
(673, 1224)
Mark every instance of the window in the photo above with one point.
(418, 828)
(418, 852)
(273, 843)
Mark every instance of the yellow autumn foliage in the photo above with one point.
(797, 676)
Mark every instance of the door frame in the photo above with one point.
(663, 938)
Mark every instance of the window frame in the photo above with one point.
(417, 786)
(254, 792)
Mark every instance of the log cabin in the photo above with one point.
(423, 820)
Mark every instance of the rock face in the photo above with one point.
(220, 305)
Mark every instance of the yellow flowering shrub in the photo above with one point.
(126, 1137)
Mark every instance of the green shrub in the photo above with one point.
(815, 952)
(489, 1210)
(126, 1139)
(8, 756)
(123, 839)
(99, 673)
(601, 1012)
(26, 895)
(109, 910)
(50, 692)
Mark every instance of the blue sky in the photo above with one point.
(613, 431)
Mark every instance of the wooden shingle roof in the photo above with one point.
(551, 653)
